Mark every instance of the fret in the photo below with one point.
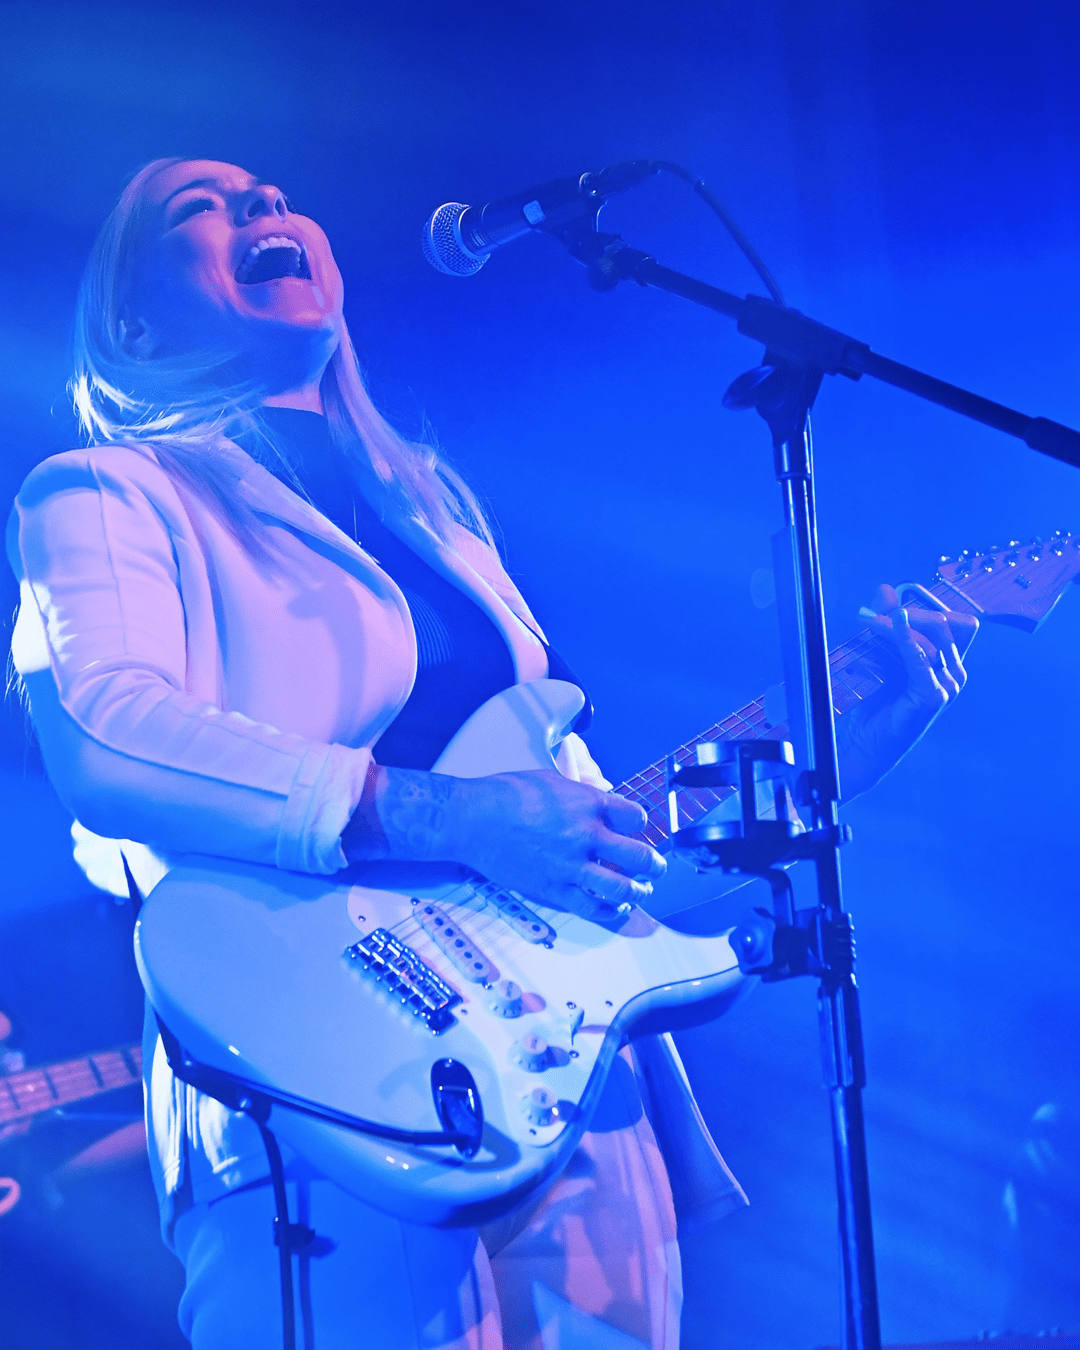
(859, 668)
(40, 1089)
(856, 669)
(5, 1112)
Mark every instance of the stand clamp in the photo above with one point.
(784, 942)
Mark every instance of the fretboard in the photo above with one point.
(29, 1091)
(858, 668)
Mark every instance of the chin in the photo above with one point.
(296, 357)
(289, 300)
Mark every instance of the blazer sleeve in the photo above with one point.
(100, 643)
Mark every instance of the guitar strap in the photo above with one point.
(559, 670)
(134, 893)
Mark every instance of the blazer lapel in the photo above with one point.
(473, 567)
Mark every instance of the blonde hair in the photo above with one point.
(187, 409)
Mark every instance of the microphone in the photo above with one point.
(459, 239)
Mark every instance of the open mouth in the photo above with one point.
(273, 257)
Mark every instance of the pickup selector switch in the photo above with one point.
(531, 1053)
(504, 999)
(540, 1106)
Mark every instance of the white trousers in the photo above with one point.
(594, 1267)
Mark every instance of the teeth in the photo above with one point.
(271, 241)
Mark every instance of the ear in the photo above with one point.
(135, 338)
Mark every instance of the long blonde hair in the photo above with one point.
(187, 409)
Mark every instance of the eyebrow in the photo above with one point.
(208, 182)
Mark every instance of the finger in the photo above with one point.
(953, 670)
(610, 888)
(918, 654)
(896, 627)
(962, 627)
(632, 856)
(937, 629)
(623, 815)
(932, 633)
(885, 599)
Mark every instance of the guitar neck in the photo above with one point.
(31, 1091)
(859, 668)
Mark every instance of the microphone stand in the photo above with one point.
(799, 352)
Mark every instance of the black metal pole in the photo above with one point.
(810, 709)
(799, 353)
(798, 338)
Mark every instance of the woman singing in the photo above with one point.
(252, 618)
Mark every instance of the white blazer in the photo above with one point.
(192, 698)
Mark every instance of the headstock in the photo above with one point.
(1018, 585)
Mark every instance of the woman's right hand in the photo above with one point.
(536, 832)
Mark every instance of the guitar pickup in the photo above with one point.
(411, 980)
(461, 950)
(527, 925)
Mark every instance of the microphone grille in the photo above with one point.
(443, 246)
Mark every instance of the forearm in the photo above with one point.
(535, 832)
(403, 813)
(144, 762)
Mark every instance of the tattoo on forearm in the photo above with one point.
(412, 809)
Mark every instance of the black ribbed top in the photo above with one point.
(462, 658)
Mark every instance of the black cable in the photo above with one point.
(730, 224)
(281, 1237)
(288, 1237)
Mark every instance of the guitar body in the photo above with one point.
(345, 990)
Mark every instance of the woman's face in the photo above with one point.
(226, 266)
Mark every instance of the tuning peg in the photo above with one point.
(944, 559)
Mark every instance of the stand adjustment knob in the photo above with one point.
(504, 999)
(540, 1106)
(531, 1053)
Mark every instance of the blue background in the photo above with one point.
(910, 173)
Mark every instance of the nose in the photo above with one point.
(262, 200)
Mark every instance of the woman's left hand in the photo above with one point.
(879, 731)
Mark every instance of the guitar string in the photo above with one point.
(107, 1061)
(648, 785)
(38, 1088)
(751, 717)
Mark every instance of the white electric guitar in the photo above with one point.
(418, 999)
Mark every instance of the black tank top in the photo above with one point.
(462, 658)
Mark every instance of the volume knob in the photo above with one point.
(530, 1053)
(540, 1106)
(504, 999)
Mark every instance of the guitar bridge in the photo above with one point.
(416, 986)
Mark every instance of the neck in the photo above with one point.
(308, 399)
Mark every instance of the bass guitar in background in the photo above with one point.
(406, 996)
(30, 1093)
